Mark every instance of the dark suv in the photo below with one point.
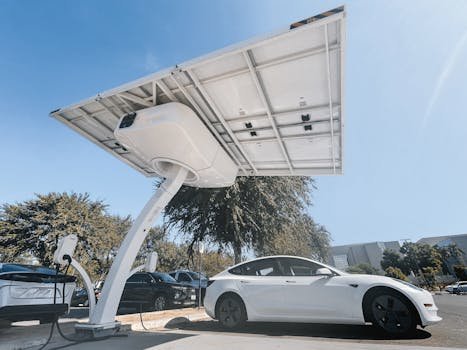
(155, 291)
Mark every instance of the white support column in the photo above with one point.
(87, 284)
(135, 270)
(106, 308)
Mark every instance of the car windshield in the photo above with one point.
(12, 268)
(195, 275)
(26, 268)
(165, 277)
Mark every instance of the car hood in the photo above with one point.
(36, 277)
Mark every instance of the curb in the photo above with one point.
(26, 337)
(161, 319)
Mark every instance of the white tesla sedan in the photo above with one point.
(295, 289)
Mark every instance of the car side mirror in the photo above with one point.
(324, 271)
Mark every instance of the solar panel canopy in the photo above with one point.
(275, 104)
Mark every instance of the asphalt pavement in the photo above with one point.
(451, 333)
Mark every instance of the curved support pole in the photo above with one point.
(106, 308)
(87, 284)
(135, 270)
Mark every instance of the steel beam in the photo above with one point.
(328, 74)
(263, 97)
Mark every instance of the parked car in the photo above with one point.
(80, 297)
(295, 289)
(459, 287)
(27, 293)
(191, 278)
(155, 291)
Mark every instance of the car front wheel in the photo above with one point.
(392, 313)
(231, 312)
(160, 303)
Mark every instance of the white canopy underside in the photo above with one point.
(275, 104)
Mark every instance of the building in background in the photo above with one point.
(364, 253)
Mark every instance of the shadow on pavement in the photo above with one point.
(134, 341)
(302, 329)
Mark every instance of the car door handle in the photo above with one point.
(291, 281)
(243, 281)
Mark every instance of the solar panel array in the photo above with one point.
(275, 104)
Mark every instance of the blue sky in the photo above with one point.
(406, 125)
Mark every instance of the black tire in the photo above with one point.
(160, 303)
(231, 312)
(391, 312)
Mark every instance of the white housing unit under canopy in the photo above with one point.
(274, 105)
(172, 133)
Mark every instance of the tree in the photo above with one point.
(391, 258)
(395, 272)
(450, 255)
(363, 268)
(303, 237)
(173, 256)
(34, 227)
(245, 214)
(420, 256)
(461, 272)
(213, 262)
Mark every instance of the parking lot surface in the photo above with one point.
(207, 334)
(451, 332)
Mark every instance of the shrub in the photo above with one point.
(395, 272)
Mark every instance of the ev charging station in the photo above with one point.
(63, 255)
(272, 106)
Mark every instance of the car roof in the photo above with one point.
(288, 256)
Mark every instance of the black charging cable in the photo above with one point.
(141, 317)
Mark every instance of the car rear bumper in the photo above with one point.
(16, 313)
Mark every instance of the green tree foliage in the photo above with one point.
(391, 258)
(34, 226)
(423, 260)
(174, 256)
(245, 214)
(213, 262)
(395, 272)
(303, 238)
(420, 256)
(461, 272)
(171, 256)
(450, 253)
(363, 268)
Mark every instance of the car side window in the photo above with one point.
(263, 267)
(299, 267)
(140, 278)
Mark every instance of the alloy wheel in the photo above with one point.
(160, 303)
(231, 312)
(392, 314)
